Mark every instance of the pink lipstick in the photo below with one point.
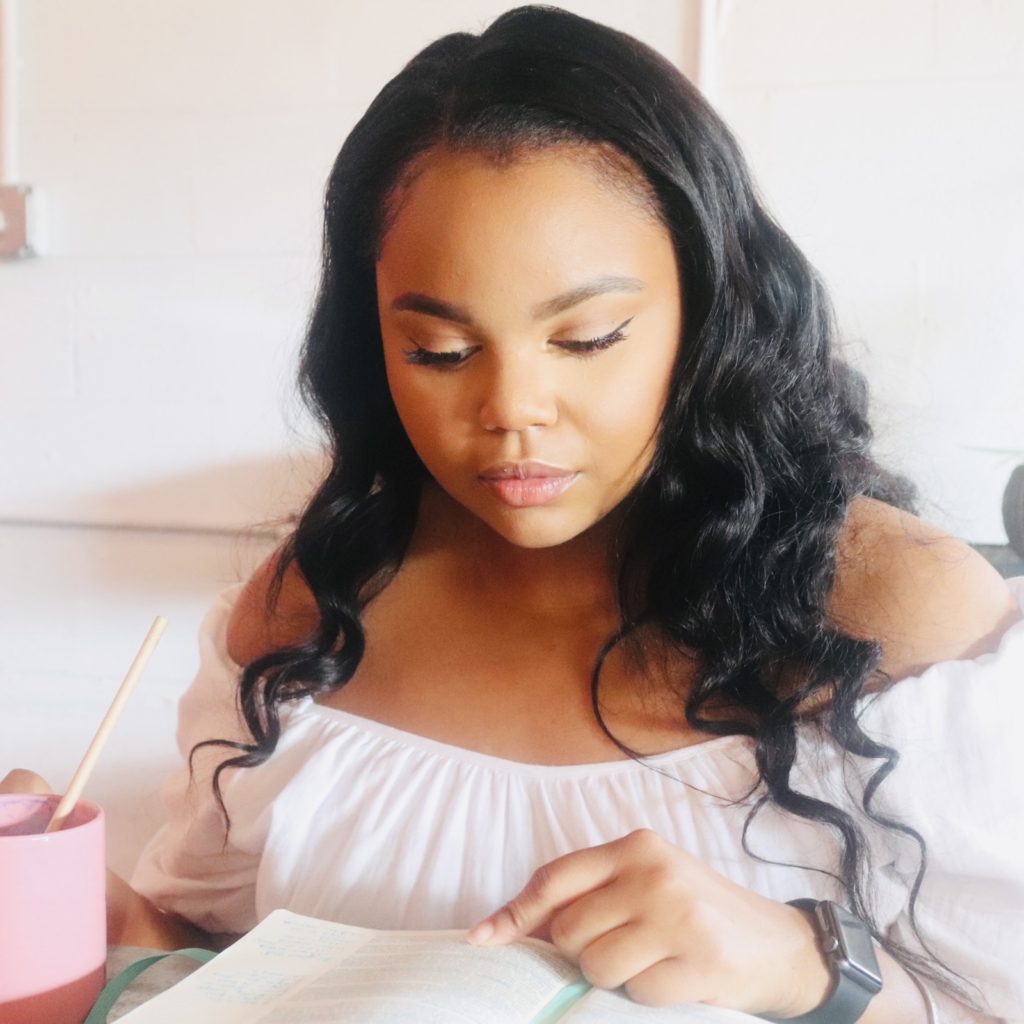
(524, 484)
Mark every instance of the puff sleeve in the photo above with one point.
(190, 867)
(960, 783)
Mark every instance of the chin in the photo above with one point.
(534, 528)
(519, 530)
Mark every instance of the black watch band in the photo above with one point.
(847, 947)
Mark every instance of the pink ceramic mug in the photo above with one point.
(53, 923)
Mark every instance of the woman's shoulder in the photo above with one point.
(927, 596)
(924, 594)
(266, 616)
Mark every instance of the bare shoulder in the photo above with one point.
(924, 594)
(259, 624)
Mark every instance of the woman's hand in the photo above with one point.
(645, 914)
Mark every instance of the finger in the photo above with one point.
(580, 923)
(619, 955)
(666, 983)
(21, 780)
(552, 886)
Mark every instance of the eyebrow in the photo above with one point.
(417, 302)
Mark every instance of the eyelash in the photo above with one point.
(451, 360)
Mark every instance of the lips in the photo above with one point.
(523, 471)
(527, 484)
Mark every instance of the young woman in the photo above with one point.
(604, 625)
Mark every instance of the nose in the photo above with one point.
(517, 395)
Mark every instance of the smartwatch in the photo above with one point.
(846, 943)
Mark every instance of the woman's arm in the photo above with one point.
(133, 921)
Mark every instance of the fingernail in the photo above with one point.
(480, 933)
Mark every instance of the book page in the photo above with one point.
(297, 970)
(599, 1006)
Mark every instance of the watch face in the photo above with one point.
(855, 944)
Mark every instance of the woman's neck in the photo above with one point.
(571, 583)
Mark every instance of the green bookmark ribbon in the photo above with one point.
(560, 1005)
(115, 987)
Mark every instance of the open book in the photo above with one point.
(292, 969)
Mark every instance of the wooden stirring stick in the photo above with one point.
(84, 770)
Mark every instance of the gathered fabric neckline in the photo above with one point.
(425, 744)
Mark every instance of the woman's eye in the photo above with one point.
(443, 360)
(594, 345)
(450, 360)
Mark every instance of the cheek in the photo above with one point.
(427, 412)
(625, 414)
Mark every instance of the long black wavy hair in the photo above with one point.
(727, 545)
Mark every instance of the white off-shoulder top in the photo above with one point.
(363, 823)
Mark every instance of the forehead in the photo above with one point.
(567, 212)
(600, 164)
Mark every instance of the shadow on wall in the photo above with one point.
(258, 494)
(169, 565)
(175, 536)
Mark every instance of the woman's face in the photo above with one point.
(493, 284)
